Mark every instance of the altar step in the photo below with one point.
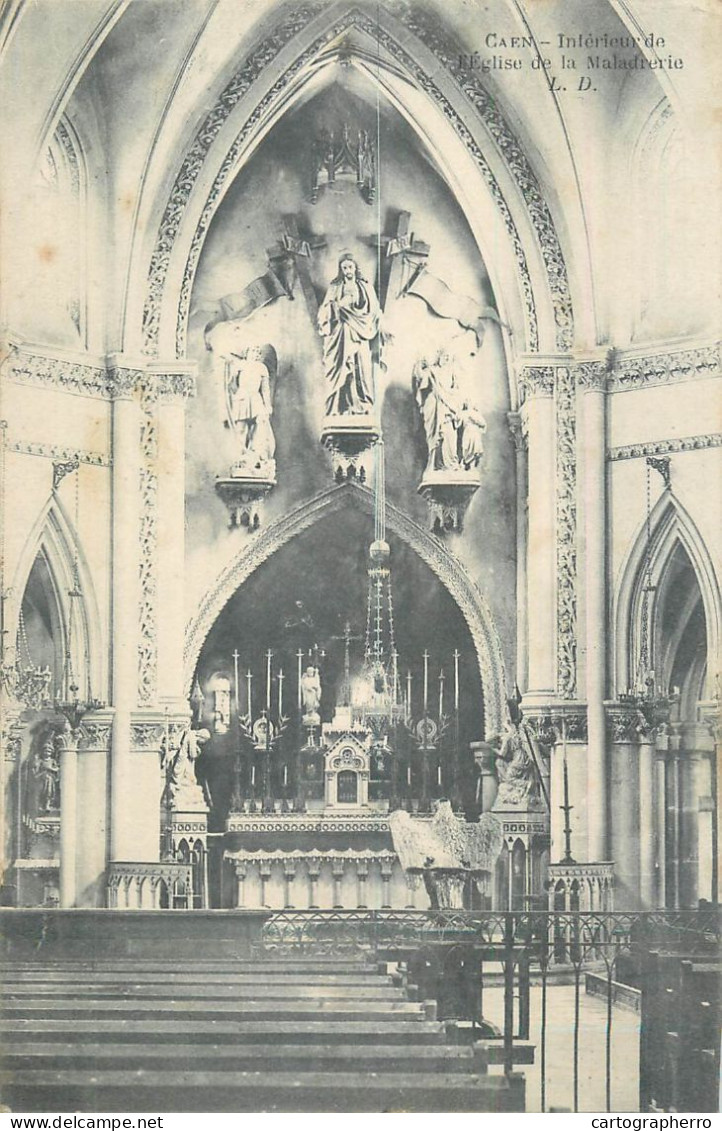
(242, 1036)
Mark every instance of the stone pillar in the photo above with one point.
(411, 886)
(264, 875)
(591, 378)
(515, 427)
(240, 869)
(647, 822)
(624, 805)
(92, 832)
(314, 871)
(362, 871)
(660, 824)
(289, 874)
(337, 870)
(538, 411)
(125, 583)
(68, 749)
(386, 871)
(173, 387)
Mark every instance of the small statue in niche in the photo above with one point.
(46, 771)
(311, 695)
(516, 772)
(349, 320)
(249, 408)
(183, 788)
(454, 428)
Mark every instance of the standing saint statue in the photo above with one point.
(311, 694)
(249, 407)
(349, 319)
(453, 427)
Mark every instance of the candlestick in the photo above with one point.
(281, 678)
(456, 679)
(269, 657)
(426, 681)
(249, 677)
(236, 657)
(441, 693)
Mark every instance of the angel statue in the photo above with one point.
(349, 320)
(249, 408)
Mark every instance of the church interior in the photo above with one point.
(359, 456)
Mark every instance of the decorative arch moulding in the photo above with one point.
(408, 19)
(447, 568)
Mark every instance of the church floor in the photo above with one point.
(559, 1050)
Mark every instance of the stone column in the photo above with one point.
(125, 567)
(591, 378)
(386, 871)
(624, 805)
(362, 871)
(174, 386)
(68, 750)
(264, 873)
(314, 870)
(517, 432)
(337, 870)
(647, 822)
(538, 412)
(289, 874)
(240, 869)
(660, 821)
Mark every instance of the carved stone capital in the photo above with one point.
(175, 387)
(121, 383)
(591, 375)
(536, 381)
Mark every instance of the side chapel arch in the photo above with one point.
(669, 526)
(449, 571)
(55, 539)
(536, 272)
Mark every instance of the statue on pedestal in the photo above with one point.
(454, 428)
(46, 771)
(249, 409)
(311, 696)
(516, 773)
(183, 789)
(349, 319)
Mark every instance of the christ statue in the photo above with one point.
(349, 320)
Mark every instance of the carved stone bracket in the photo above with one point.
(448, 494)
(243, 495)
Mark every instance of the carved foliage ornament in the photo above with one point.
(566, 521)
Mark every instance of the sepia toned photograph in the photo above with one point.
(360, 556)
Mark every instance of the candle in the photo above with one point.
(285, 775)
(408, 693)
(281, 678)
(441, 693)
(456, 679)
(253, 775)
(299, 657)
(426, 681)
(408, 775)
(249, 677)
(269, 657)
(236, 656)
(438, 775)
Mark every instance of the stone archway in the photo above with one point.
(449, 571)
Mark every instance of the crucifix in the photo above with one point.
(403, 252)
(297, 249)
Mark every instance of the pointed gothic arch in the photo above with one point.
(447, 568)
(505, 198)
(54, 541)
(670, 526)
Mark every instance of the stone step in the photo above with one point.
(186, 977)
(19, 991)
(246, 1056)
(247, 1010)
(172, 1091)
(234, 965)
(114, 1029)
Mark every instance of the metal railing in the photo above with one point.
(452, 955)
